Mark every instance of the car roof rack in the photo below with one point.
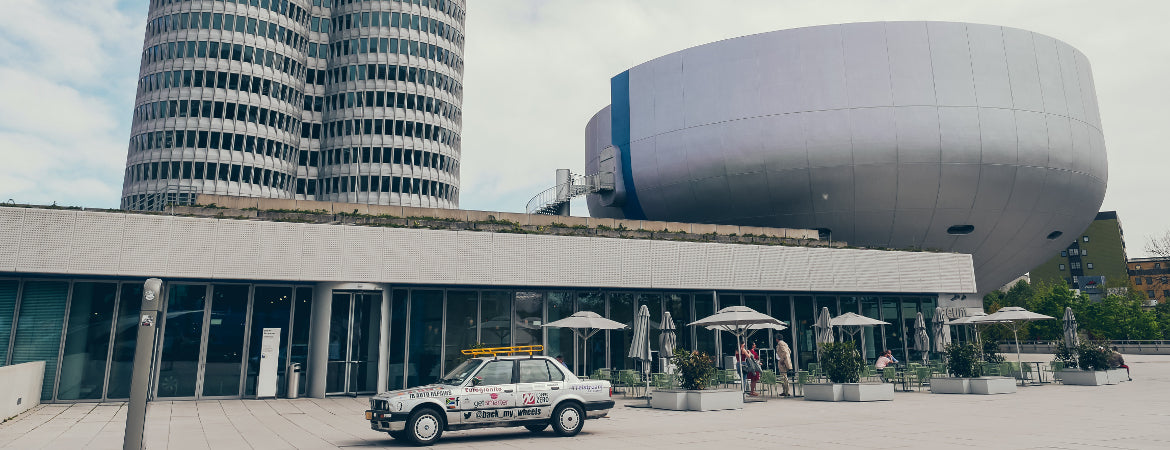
(497, 351)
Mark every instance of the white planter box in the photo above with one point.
(1085, 377)
(992, 385)
(948, 385)
(705, 400)
(867, 392)
(823, 392)
(1116, 376)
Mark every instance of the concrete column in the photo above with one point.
(384, 341)
(319, 339)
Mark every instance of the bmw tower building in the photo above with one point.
(334, 100)
(945, 136)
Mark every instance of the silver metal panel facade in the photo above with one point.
(884, 134)
(187, 247)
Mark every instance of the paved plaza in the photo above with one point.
(1134, 415)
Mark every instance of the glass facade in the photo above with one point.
(210, 333)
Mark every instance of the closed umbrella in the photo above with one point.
(667, 339)
(1070, 328)
(939, 331)
(824, 331)
(586, 320)
(921, 338)
(640, 345)
(850, 320)
(1013, 317)
(737, 320)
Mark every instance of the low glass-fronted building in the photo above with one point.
(363, 309)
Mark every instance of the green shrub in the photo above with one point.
(696, 369)
(841, 362)
(1092, 356)
(961, 359)
(1065, 354)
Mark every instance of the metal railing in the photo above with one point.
(158, 201)
(551, 200)
(1150, 347)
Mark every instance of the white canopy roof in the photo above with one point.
(854, 320)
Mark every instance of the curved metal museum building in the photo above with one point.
(960, 137)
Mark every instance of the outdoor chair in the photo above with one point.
(814, 370)
(890, 375)
(988, 370)
(1009, 369)
(922, 376)
(1056, 367)
(867, 372)
(628, 379)
(602, 374)
(768, 380)
(802, 378)
(662, 381)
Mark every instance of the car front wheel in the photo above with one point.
(536, 428)
(424, 427)
(567, 419)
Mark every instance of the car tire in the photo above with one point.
(424, 427)
(567, 419)
(398, 435)
(536, 428)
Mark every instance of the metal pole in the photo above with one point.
(143, 355)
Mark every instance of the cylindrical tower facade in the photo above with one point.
(392, 109)
(219, 98)
(339, 100)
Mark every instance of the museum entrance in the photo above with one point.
(354, 325)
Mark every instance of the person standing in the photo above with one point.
(783, 363)
(749, 372)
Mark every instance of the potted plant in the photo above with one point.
(961, 359)
(842, 365)
(696, 372)
(1063, 358)
(1093, 361)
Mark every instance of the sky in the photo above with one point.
(536, 71)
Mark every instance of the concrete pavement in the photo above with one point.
(1130, 415)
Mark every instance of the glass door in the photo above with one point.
(354, 328)
(203, 341)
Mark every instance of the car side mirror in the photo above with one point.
(476, 381)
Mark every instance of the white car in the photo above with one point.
(493, 391)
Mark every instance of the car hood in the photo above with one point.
(428, 391)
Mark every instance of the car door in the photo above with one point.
(492, 395)
(538, 385)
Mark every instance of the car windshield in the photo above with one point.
(459, 374)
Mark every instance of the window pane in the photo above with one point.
(125, 340)
(397, 338)
(802, 322)
(496, 313)
(534, 371)
(594, 354)
(462, 310)
(495, 372)
(38, 330)
(7, 308)
(529, 317)
(181, 338)
(300, 332)
(83, 364)
(225, 340)
(270, 309)
(621, 309)
(560, 340)
(426, 321)
(705, 306)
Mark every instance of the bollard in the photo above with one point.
(143, 354)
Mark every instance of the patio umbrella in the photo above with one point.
(1013, 317)
(737, 320)
(939, 331)
(850, 320)
(667, 339)
(971, 320)
(1070, 328)
(586, 320)
(824, 331)
(921, 338)
(640, 345)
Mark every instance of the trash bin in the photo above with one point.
(729, 362)
(294, 380)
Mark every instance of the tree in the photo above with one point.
(1159, 245)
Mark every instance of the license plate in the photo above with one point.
(369, 415)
